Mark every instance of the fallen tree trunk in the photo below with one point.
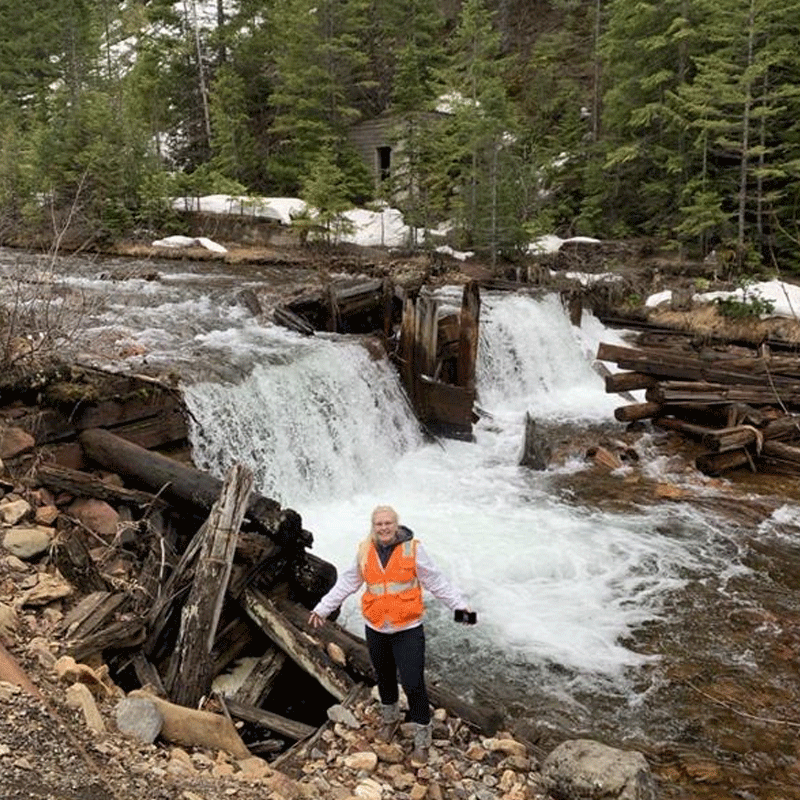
(185, 485)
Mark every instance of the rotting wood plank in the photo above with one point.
(190, 671)
(71, 555)
(267, 719)
(91, 612)
(296, 644)
(257, 684)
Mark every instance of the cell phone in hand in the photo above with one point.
(466, 617)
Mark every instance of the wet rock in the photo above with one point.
(582, 769)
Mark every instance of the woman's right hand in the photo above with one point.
(315, 620)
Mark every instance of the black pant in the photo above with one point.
(402, 652)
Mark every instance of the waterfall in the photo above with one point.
(327, 430)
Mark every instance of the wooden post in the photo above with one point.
(190, 673)
(468, 335)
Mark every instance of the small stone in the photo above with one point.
(365, 761)
(418, 791)
(508, 746)
(29, 541)
(79, 697)
(139, 718)
(48, 588)
(46, 515)
(14, 441)
(8, 623)
(368, 790)
(389, 753)
(12, 511)
(339, 714)
(97, 515)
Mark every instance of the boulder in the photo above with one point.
(582, 769)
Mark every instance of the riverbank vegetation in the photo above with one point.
(675, 120)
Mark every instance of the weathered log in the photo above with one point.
(468, 336)
(680, 366)
(267, 719)
(194, 728)
(191, 670)
(679, 425)
(717, 463)
(81, 484)
(617, 382)
(299, 647)
(785, 452)
(288, 319)
(744, 435)
(185, 485)
(636, 411)
(719, 393)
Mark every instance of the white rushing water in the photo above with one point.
(558, 588)
(561, 588)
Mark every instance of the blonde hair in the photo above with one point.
(363, 547)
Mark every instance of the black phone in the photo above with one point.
(467, 617)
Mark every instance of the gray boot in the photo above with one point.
(422, 741)
(390, 722)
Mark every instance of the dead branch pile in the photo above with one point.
(742, 404)
(202, 574)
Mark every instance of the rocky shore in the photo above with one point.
(68, 731)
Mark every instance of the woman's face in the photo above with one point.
(384, 526)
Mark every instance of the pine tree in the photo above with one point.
(319, 67)
(482, 127)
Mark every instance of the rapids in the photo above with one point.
(663, 626)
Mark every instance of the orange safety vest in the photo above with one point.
(393, 594)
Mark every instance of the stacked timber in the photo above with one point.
(742, 404)
(215, 573)
(362, 307)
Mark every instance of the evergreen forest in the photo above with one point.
(677, 120)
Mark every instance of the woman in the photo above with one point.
(396, 568)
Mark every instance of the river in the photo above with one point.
(670, 627)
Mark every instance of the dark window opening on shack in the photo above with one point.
(384, 162)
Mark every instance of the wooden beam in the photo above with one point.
(191, 668)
